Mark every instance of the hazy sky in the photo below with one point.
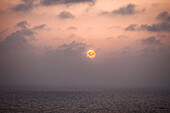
(44, 42)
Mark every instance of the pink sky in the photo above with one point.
(111, 27)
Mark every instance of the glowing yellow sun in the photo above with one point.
(91, 54)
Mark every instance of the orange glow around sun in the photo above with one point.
(91, 54)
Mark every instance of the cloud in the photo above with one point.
(72, 45)
(126, 10)
(39, 27)
(164, 16)
(74, 48)
(117, 37)
(129, 9)
(16, 40)
(18, 54)
(22, 24)
(66, 15)
(163, 26)
(71, 28)
(58, 2)
(150, 40)
(159, 27)
(26, 5)
(131, 27)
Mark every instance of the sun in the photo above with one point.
(91, 54)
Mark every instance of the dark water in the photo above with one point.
(84, 101)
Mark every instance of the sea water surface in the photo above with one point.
(83, 100)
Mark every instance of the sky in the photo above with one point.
(44, 42)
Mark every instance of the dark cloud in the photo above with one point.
(26, 5)
(58, 2)
(39, 27)
(131, 27)
(14, 51)
(159, 27)
(129, 9)
(150, 40)
(71, 28)
(22, 24)
(18, 54)
(65, 15)
(17, 40)
(126, 10)
(14, 41)
(74, 48)
(163, 26)
(164, 16)
(72, 45)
